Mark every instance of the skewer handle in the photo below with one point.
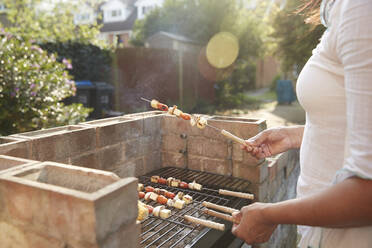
(221, 216)
(236, 194)
(219, 207)
(206, 223)
(233, 137)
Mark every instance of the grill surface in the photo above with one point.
(175, 231)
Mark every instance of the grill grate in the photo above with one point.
(175, 231)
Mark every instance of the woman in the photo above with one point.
(334, 191)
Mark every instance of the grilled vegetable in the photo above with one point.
(141, 195)
(187, 199)
(147, 196)
(184, 185)
(156, 211)
(143, 212)
(150, 208)
(153, 196)
(154, 179)
(162, 181)
(149, 189)
(140, 187)
(157, 105)
(162, 200)
(180, 204)
(165, 213)
(169, 195)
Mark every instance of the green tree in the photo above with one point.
(55, 24)
(295, 39)
(32, 84)
(199, 20)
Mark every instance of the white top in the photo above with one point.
(335, 89)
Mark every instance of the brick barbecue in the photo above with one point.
(76, 186)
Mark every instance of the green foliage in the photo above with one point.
(200, 20)
(89, 62)
(32, 84)
(295, 39)
(30, 20)
(274, 81)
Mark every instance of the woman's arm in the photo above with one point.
(346, 204)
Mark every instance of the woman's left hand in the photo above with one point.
(253, 227)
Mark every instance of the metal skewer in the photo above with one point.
(145, 99)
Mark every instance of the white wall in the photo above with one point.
(114, 11)
(84, 15)
(146, 6)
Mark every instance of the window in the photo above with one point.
(116, 13)
(144, 10)
(2, 6)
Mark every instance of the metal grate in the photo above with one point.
(175, 231)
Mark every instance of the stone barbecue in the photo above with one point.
(76, 186)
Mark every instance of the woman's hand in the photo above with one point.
(254, 227)
(274, 141)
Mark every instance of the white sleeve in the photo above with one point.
(354, 48)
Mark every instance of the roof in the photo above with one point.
(175, 37)
(121, 25)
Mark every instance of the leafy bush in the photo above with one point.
(89, 62)
(32, 84)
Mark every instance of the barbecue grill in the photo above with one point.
(175, 231)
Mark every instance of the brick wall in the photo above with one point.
(80, 212)
(133, 145)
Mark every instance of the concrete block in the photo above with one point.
(173, 159)
(110, 156)
(195, 162)
(217, 166)
(201, 146)
(255, 174)
(60, 143)
(16, 147)
(67, 202)
(173, 125)
(173, 143)
(127, 236)
(8, 163)
(152, 124)
(152, 161)
(82, 141)
(239, 126)
(131, 168)
(88, 160)
(110, 133)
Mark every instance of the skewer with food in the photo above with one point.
(174, 182)
(156, 104)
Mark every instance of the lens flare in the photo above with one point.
(222, 50)
(210, 72)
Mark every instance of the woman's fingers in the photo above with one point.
(236, 216)
(265, 150)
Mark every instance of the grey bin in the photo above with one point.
(284, 91)
(84, 91)
(102, 100)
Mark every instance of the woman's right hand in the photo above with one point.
(274, 141)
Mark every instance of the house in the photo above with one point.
(146, 6)
(86, 14)
(165, 40)
(119, 17)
